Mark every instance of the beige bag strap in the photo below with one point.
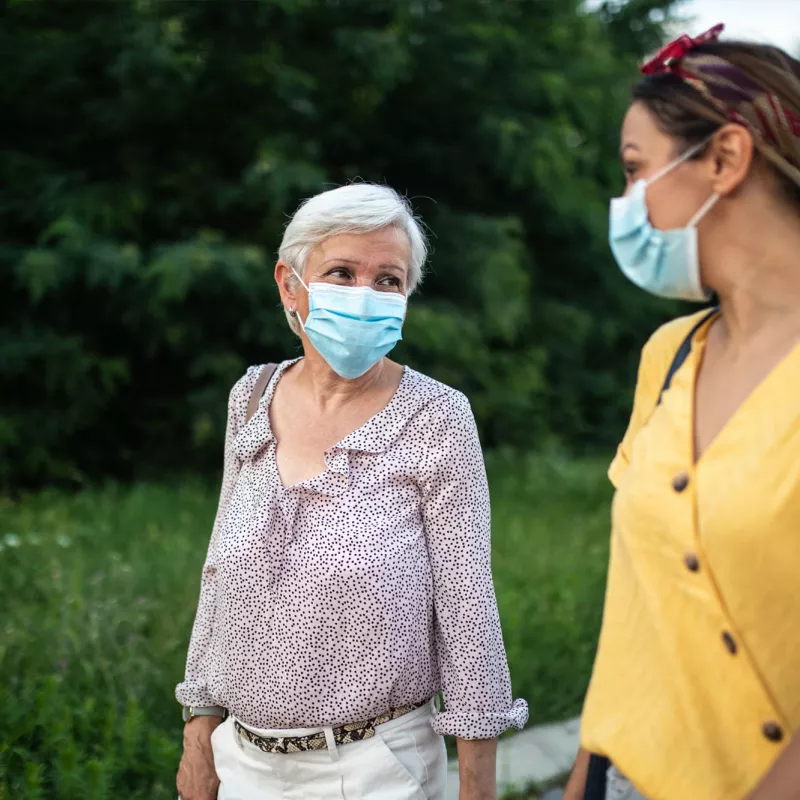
(258, 389)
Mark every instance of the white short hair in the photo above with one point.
(356, 208)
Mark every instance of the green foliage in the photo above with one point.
(93, 636)
(152, 151)
(550, 527)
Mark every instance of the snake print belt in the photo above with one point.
(346, 734)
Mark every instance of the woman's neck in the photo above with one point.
(755, 271)
(330, 391)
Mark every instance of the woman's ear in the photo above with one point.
(732, 151)
(284, 276)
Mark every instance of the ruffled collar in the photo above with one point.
(376, 435)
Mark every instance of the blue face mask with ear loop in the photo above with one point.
(664, 263)
(352, 327)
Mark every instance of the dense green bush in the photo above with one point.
(152, 150)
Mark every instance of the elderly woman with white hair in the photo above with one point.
(348, 579)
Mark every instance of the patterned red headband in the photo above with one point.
(735, 95)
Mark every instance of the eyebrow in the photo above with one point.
(628, 146)
(395, 267)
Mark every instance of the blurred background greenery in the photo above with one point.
(151, 152)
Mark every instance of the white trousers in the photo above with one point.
(405, 760)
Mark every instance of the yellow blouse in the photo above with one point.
(696, 683)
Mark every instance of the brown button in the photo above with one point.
(730, 642)
(692, 562)
(680, 482)
(772, 731)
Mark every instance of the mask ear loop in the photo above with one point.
(704, 209)
(678, 161)
(294, 310)
(305, 285)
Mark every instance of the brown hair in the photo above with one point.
(683, 112)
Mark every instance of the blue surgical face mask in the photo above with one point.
(352, 327)
(664, 263)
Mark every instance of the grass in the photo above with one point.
(98, 592)
(550, 555)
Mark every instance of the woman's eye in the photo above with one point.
(339, 272)
(629, 168)
(390, 281)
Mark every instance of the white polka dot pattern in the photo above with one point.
(364, 588)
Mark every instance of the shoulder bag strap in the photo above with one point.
(258, 389)
(596, 784)
(683, 353)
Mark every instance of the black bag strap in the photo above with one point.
(683, 353)
(596, 778)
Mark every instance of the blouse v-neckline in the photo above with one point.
(334, 457)
(749, 408)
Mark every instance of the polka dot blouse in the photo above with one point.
(364, 588)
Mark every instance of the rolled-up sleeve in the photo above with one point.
(193, 690)
(469, 641)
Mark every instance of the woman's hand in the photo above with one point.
(197, 778)
(477, 769)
